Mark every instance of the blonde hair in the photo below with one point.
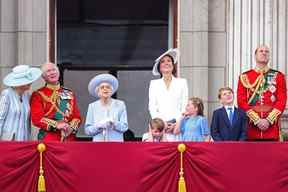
(224, 89)
(260, 46)
(197, 102)
(157, 123)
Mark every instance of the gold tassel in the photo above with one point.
(181, 182)
(41, 184)
(41, 180)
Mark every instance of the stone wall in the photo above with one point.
(218, 38)
(23, 33)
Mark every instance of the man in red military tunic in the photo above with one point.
(262, 94)
(54, 109)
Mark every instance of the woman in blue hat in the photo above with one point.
(106, 118)
(14, 103)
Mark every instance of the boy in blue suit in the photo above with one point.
(229, 123)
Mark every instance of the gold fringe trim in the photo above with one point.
(53, 100)
(257, 84)
(181, 182)
(245, 81)
(41, 179)
(262, 69)
(74, 124)
(49, 122)
(53, 87)
(253, 116)
(273, 115)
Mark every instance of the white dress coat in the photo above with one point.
(168, 103)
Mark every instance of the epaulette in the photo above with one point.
(246, 83)
(274, 71)
(41, 88)
(248, 71)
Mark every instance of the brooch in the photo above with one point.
(272, 88)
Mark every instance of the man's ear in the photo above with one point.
(220, 101)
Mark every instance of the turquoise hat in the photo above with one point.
(22, 75)
(97, 80)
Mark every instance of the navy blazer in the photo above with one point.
(221, 128)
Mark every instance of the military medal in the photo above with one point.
(272, 88)
(273, 98)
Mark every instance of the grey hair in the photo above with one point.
(43, 67)
(98, 87)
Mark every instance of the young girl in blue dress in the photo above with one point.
(193, 125)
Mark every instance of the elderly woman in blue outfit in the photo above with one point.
(15, 124)
(106, 118)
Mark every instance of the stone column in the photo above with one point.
(217, 49)
(203, 58)
(23, 36)
(252, 23)
(193, 45)
(23, 33)
(32, 31)
(8, 36)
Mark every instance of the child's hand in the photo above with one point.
(170, 127)
(184, 114)
(207, 138)
(211, 139)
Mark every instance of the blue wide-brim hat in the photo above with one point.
(22, 75)
(97, 80)
(172, 52)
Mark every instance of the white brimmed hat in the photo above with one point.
(22, 75)
(172, 52)
(97, 80)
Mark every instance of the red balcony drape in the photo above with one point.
(145, 167)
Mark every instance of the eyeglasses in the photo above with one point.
(102, 87)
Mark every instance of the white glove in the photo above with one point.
(109, 123)
(100, 125)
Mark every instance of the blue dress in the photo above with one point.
(97, 113)
(194, 128)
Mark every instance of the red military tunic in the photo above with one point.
(262, 94)
(50, 105)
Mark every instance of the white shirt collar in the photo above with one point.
(231, 106)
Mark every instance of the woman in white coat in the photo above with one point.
(168, 95)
